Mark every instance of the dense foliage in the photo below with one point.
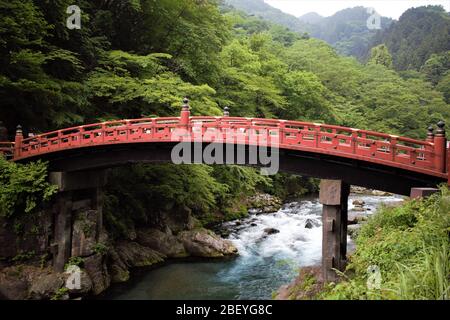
(410, 245)
(138, 194)
(346, 30)
(23, 187)
(418, 34)
(134, 58)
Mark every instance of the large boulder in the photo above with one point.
(95, 267)
(12, 287)
(205, 243)
(117, 268)
(46, 286)
(356, 217)
(176, 219)
(134, 255)
(264, 203)
(163, 242)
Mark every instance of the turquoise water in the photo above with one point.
(265, 263)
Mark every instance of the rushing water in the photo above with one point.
(265, 262)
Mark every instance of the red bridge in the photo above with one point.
(352, 155)
(343, 156)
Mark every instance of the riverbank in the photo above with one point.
(402, 252)
(272, 246)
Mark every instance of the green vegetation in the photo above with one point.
(23, 188)
(24, 256)
(135, 58)
(419, 33)
(140, 193)
(410, 244)
(74, 261)
(61, 294)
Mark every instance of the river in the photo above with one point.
(265, 262)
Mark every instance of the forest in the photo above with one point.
(139, 58)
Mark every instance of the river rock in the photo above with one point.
(361, 190)
(46, 286)
(177, 219)
(135, 255)
(305, 286)
(117, 268)
(95, 267)
(358, 203)
(355, 218)
(309, 224)
(205, 243)
(270, 231)
(163, 242)
(264, 203)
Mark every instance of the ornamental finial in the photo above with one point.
(441, 130)
(185, 104)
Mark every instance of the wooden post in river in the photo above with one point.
(334, 197)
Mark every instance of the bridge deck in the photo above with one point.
(391, 150)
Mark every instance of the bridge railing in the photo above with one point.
(297, 135)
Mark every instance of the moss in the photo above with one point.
(100, 248)
(61, 294)
(23, 256)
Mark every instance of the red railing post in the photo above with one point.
(317, 131)
(393, 147)
(185, 113)
(18, 141)
(440, 148)
(354, 141)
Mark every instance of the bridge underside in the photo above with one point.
(353, 172)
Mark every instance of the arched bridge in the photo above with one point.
(360, 157)
(343, 156)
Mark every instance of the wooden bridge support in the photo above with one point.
(70, 185)
(63, 231)
(334, 197)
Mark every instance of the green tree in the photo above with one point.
(380, 55)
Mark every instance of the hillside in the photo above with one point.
(346, 30)
(418, 34)
(261, 9)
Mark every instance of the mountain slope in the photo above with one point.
(261, 9)
(418, 34)
(346, 30)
